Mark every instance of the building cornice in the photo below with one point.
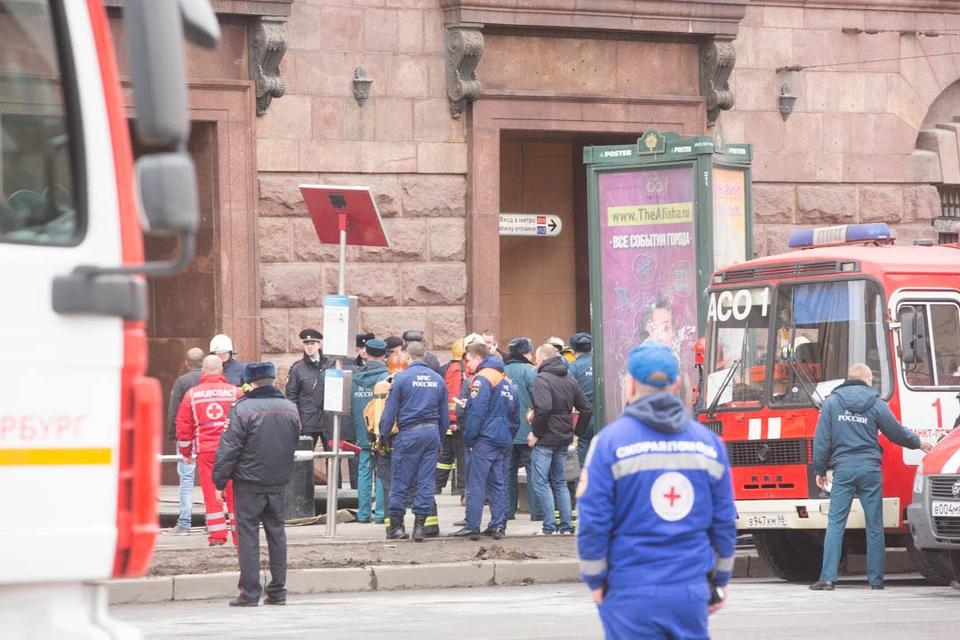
(949, 6)
(272, 8)
(719, 18)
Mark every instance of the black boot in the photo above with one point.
(473, 534)
(396, 530)
(418, 524)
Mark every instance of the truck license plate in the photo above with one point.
(767, 521)
(946, 509)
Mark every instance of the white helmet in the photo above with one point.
(221, 344)
(473, 338)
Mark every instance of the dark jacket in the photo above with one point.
(364, 380)
(431, 361)
(256, 450)
(233, 371)
(493, 408)
(418, 396)
(325, 424)
(846, 433)
(555, 395)
(180, 387)
(521, 374)
(301, 383)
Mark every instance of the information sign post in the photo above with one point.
(344, 216)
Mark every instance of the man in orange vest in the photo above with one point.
(201, 419)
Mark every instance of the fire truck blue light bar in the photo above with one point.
(848, 233)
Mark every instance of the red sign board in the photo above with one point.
(327, 204)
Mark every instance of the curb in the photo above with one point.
(422, 576)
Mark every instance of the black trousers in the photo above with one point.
(445, 463)
(252, 509)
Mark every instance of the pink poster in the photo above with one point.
(648, 267)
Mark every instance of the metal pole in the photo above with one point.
(333, 465)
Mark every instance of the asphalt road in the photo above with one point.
(756, 610)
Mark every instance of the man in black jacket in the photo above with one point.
(555, 394)
(302, 382)
(256, 452)
(186, 471)
(412, 335)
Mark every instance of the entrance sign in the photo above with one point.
(664, 214)
(527, 224)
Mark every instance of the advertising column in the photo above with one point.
(648, 261)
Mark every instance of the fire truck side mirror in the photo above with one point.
(168, 193)
(913, 337)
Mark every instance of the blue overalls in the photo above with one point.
(492, 421)
(418, 405)
(657, 516)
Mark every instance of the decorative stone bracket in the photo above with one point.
(717, 59)
(464, 46)
(266, 44)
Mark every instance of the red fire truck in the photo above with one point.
(782, 331)
(79, 421)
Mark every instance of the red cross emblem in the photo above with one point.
(673, 496)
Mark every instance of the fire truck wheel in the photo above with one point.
(934, 565)
(794, 556)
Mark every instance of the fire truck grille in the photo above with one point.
(714, 425)
(767, 452)
(783, 271)
(947, 527)
(941, 487)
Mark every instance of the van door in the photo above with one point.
(930, 380)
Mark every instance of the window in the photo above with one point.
(941, 364)
(822, 329)
(38, 197)
(739, 323)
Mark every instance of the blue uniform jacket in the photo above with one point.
(582, 371)
(493, 412)
(233, 371)
(521, 374)
(846, 433)
(656, 504)
(418, 396)
(364, 380)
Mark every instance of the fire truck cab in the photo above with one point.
(782, 332)
(79, 420)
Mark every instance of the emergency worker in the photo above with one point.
(186, 471)
(396, 362)
(201, 419)
(418, 405)
(222, 347)
(394, 344)
(302, 382)
(521, 373)
(256, 452)
(461, 413)
(657, 530)
(493, 418)
(452, 454)
(365, 380)
(582, 371)
(846, 441)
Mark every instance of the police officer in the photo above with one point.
(302, 381)
(418, 405)
(657, 529)
(362, 340)
(582, 371)
(493, 418)
(256, 452)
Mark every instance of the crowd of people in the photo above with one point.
(528, 408)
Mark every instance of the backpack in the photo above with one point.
(374, 409)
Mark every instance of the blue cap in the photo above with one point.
(581, 342)
(652, 358)
(376, 348)
(258, 371)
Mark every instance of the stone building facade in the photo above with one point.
(479, 107)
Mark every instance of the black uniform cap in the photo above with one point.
(311, 335)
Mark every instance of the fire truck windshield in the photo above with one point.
(822, 329)
(739, 326)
